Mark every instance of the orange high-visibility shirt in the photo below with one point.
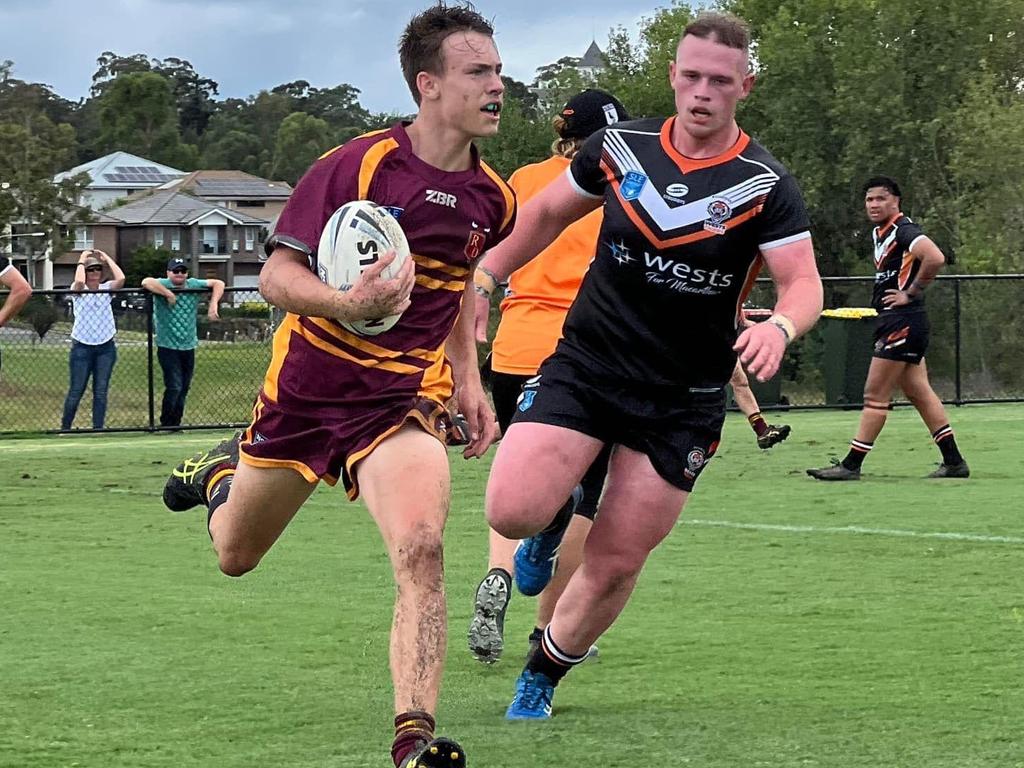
(540, 293)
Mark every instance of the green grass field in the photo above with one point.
(786, 623)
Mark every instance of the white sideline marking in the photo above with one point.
(77, 444)
(858, 530)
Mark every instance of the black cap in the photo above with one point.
(589, 111)
(176, 262)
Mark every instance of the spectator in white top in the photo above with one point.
(93, 352)
(19, 288)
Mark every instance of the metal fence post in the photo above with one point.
(956, 345)
(149, 361)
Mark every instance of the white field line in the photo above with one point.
(84, 444)
(856, 530)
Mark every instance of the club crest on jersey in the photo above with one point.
(694, 462)
(476, 241)
(719, 212)
(632, 184)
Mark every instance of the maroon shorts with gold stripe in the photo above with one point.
(320, 448)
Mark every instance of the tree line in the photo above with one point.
(930, 94)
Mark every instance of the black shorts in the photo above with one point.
(505, 390)
(677, 429)
(902, 337)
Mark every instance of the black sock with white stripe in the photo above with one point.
(943, 437)
(858, 450)
(550, 660)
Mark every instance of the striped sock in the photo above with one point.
(217, 489)
(858, 450)
(412, 730)
(550, 660)
(757, 423)
(943, 437)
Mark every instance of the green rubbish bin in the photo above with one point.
(848, 339)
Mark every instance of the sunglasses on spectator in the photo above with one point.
(94, 269)
(179, 271)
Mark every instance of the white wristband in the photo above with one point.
(785, 325)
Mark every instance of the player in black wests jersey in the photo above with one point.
(906, 262)
(692, 208)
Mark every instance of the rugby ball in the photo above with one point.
(354, 238)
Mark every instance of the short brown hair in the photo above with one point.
(723, 28)
(419, 48)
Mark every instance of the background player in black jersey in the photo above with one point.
(692, 207)
(906, 262)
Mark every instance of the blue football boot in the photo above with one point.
(532, 701)
(537, 556)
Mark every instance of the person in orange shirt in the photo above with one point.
(536, 301)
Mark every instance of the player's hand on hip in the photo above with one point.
(761, 348)
(483, 429)
(895, 298)
(374, 296)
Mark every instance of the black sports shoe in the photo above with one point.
(952, 470)
(186, 487)
(836, 472)
(439, 753)
(487, 628)
(776, 434)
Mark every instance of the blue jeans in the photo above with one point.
(178, 366)
(97, 361)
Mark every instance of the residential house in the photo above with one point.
(220, 242)
(117, 176)
(236, 191)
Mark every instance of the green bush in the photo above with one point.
(41, 313)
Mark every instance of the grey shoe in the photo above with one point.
(952, 470)
(836, 472)
(486, 629)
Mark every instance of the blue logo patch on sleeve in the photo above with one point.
(526, 399)
(632, 184)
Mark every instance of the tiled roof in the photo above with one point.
(170, 207)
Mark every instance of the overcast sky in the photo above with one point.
(249, 45)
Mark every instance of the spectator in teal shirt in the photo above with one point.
(176, 340)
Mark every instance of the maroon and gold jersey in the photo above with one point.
(449, 218)
(895, 264)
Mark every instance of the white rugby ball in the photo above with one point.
(354, 238)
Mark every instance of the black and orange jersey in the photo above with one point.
(678, 252)
(449, 219)
(895, 264)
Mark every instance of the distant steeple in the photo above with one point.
(594, 57)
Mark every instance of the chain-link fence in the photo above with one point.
(96, 360)
(977, 344)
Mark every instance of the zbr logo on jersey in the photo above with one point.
(718, 212)
(632, 184)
